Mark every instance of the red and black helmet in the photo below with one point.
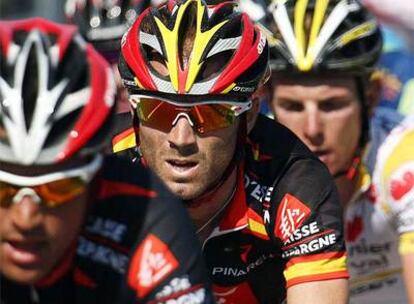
(56, 93)
(194, 48)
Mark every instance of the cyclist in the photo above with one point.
(56, 106)
(102, 23)
(324, 89)
(267, 212)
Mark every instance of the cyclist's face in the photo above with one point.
(34, 238)
(187, 162)
(324, 113)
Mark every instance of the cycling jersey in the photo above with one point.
(282, 227)
(137, 246)
(380, 211)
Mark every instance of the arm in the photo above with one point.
(406, 249)
(319, 292)
(313, 244)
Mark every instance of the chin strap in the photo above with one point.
(352, 171)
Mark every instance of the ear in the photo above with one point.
(373, 92)
(252, 114)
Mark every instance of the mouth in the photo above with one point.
(24, 253)
(182, 168)
(322, 154)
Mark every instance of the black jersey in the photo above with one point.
(283, 226)
(138, 246)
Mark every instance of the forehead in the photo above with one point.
(309, 80)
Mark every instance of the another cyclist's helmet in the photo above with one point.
(103, 22)
(318, 35)
(56, 94)
(203, 49)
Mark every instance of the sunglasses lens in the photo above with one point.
(61, 191)
(212, 117)
(156, 113)
(52, 194)
(206, 117)
(7, 192)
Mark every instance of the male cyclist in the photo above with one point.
(56, 106)
(324, 89)
(267, 211)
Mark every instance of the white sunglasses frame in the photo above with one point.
(237, 107)
(86, 173)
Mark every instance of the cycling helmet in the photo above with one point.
(56, 93)
(103, 22)
(318, 35)
(203, 49)
(322, 37)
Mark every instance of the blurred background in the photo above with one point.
(397, 64)
(18, 9)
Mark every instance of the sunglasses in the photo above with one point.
(204, 116)
(50, 190)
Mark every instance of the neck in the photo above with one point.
(346, 188)
(208, 210)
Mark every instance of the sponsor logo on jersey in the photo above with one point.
(303, 232)
(102, 254)
(239, 271)
(311, 246)
(107, 228)
(254, 189)
(180, 290)
(354, 229)
(367, 257)
(402, 182)
(152, 263)
(290, 216)
(372, 286)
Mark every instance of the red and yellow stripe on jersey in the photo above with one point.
(124, 140)
(317, 267)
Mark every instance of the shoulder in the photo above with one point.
(123, 134)
(282, 158)
(119, 171)
(394, 171)
(276, 140)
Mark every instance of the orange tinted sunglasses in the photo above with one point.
(50, 194)
(204, 116)
(52, 189)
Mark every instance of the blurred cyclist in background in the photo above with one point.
(56, 109)
(323, 55)
(267, 211)
(102, 23)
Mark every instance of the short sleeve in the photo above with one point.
(394, 178)
(309, 224)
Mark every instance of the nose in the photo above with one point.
(182, 136)
(26, 214)
(313, 130)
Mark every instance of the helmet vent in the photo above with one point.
(59, 131)
(186, 35)
(31, 86)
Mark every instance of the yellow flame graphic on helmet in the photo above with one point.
(170, 41)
